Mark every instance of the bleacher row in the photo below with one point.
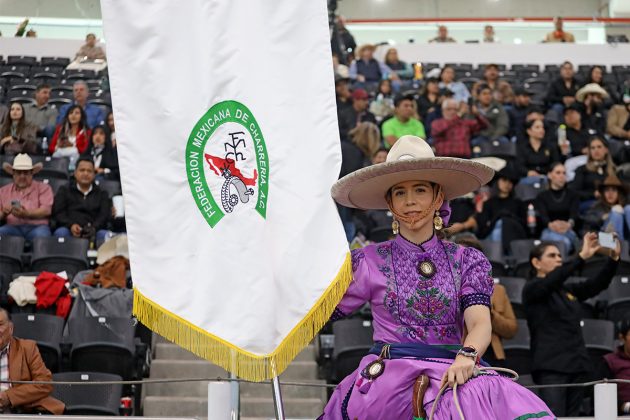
(20, 76)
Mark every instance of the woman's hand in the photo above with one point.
(459, 372)
(6, 140)
(590, 246)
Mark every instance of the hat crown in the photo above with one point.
(409, 147)
(22, 162)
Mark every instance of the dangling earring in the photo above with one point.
(438, 223)
(395, 226)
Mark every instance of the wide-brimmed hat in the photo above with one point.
(22, 162)
(365, 47)
(612, 181)
(590, 88)
(410, 159)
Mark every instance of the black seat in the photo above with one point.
(528, 192)
(517, 350)
(498, 149)
(514, 289)
(599, 337)
(103, 344)
(53, 167)
(23, 96)
(353, 340)
(494, 252)
(55, 61)
(619, 299)
(46, 330)
(88, 399)
(593, 306)
(525, 67)
(59, 254)
(60, 97)
(11, 248)
(55, 183)
(112, 187)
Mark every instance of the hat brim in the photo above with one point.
(8, 168)
(580, 94)
(367, 187)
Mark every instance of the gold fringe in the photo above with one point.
(244, 364)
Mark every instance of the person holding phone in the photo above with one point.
(553, 312)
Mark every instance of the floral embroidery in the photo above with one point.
(357, 255)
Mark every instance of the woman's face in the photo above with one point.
(597, 150)
(74, 116)
(98, 138)
(379, 157)
(537, 130)
(386, 87)
(16, 112)
(596, 75)
(558, 176)
(411, 198)
(549, 260)
(505, 186)
(392, 56)
(448, 75)
(611, 195)
(433, 87)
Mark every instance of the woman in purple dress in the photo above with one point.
(430, 300)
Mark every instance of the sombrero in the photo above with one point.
(590, 88)
(22, 162)
(411, 158)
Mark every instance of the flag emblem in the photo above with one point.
(227, 163)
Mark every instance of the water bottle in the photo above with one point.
(562, 139)
(531, 218)
(45, 145)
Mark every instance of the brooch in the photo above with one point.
(426, 268)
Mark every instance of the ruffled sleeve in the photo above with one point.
(477, 282)
(358, 292)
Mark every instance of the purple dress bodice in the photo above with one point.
(408, 306)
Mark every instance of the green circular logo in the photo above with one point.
(227, 163)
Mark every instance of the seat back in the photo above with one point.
(517, 350)
(111, 187)
(514, 288)
(88, 399)
(60, 254)
(46, 330)
(598, 334)
(353, 340)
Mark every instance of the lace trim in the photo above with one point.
(475, 299)
(337, 314)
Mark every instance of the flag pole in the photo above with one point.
(277, 398)
(277, 394)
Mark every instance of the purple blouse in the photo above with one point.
(408, 306)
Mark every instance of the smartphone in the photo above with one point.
(607, 240)
(16, 203)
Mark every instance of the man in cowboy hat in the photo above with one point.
(591, 96)
(25, 204)
(366, 69)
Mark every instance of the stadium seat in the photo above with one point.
(102, 344)
(55, 183)
(599, 337)
(498, 149)
(60, 97)
(53, 167)
(113, 187)
(11, 248)
(593, 306)
(514, 289)
(46, 330)
(23, 96)
(55, 61)
(59, 254)
(525, 67)
(353, 340)
(529, 192)
(494, 252)
(24, 60)
(88, 399)
(517, 350)
(618, 308)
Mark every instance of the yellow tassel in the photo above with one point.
(246, 365)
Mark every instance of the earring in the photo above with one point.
(438, 223)
(395, 226)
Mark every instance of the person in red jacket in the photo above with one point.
(619, 366)
(71, 136)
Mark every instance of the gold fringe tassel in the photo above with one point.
(244, 364)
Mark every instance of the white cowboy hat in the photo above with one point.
(590, 88)
(114, 247)
(411, 158)
(22, 162)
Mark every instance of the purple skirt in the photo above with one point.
(488, 396)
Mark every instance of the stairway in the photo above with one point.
(189, 399)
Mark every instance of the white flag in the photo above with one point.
(228, 142)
